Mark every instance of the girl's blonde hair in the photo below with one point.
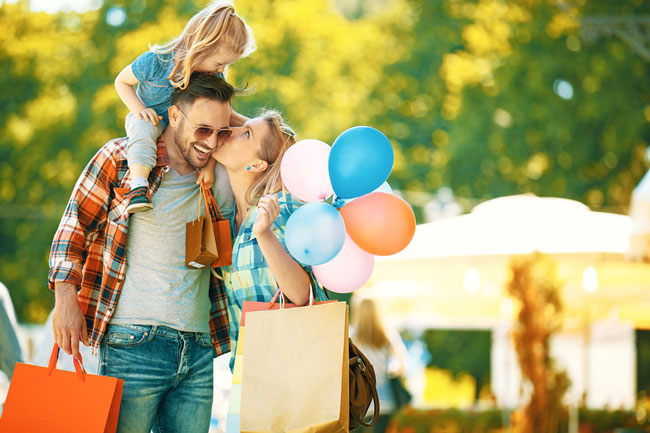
(215, 27)
(369, 329)
(276, 142)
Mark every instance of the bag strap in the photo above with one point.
(78, 364)
(357, 360)
(282, 296)
(209, 197)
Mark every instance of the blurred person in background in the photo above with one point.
(10, 350)
(385, 350)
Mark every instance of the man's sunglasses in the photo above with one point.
(204, 132)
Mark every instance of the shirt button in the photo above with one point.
(248, 237)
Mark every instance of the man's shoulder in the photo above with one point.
(114, 149)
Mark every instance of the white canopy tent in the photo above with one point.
(453, 275)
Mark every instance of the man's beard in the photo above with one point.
(186, 148)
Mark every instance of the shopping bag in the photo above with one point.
(200, 246)
(234, 403)
(222, 236)
(296, 375)
(49, 400)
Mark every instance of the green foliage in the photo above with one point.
(461, 351)
(463, 88)
(642, 338)
(492, 421)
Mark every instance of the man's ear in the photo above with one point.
(174, 116)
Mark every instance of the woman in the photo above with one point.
(260, 261)
(387, 354)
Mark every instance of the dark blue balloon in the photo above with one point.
(361, 160)
(315, 233)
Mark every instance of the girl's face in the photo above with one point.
(243, 147)
(216, 61)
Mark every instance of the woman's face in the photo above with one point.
(242, 149)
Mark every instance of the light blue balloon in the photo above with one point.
(315, 233)
(360, 161)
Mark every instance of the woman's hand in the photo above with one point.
(268, 210)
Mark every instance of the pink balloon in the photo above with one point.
(304, 170)
(348, 270)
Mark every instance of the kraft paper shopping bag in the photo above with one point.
(222, 235)
(45, 399)
(200, 246)
(296, 374)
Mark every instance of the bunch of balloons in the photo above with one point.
(339, 240)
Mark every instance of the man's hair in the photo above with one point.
(203, 85)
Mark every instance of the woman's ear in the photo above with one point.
(259, 166)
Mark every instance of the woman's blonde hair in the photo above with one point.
(276, 142)
(215, 27)
(369, 329)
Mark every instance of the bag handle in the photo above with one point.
(280, 293)
(78, 364)
(362, 367)
(208, 195)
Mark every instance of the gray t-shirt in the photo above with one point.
(158, 288)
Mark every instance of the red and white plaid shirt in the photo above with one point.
(89, 247)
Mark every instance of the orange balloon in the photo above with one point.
(380, 223)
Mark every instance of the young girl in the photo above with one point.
(212, 39)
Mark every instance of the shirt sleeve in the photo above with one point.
(84, 216)
(145, 66)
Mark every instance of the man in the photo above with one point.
(155, 323)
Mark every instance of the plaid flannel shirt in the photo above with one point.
(89, 247)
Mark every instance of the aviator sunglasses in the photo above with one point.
(205, 132)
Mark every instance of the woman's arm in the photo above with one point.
(291, 277)
(237, 119)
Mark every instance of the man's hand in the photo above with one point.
(68, 322)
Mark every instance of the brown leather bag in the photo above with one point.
(363, 388)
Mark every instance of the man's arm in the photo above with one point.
(84, 217)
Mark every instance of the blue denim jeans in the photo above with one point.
(168, 383)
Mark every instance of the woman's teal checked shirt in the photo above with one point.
(249, 278)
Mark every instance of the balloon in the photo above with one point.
(315, 233)
(304, 170)
(348, 271)
(380, 223)
(360, 161)
(385, 187)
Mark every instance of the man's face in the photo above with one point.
(204, 113)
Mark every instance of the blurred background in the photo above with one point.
(517, 126)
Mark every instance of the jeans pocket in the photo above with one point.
(123, 336)
(205, 341)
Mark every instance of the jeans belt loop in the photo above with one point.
(152, 333)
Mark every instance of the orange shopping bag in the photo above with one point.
(49, 400)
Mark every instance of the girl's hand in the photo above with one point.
(207, 175)
(268, 210)
(149, 115)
